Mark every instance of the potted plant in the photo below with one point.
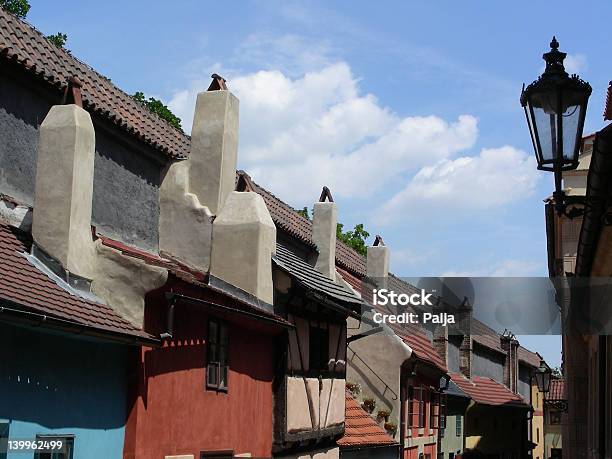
(368, 404)
(383, 415)
(391, 428)
(353, 388)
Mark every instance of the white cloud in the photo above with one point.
(298, 134)
(575, 63)
(495, 177)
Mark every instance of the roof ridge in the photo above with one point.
(69, 55)
(29, 48)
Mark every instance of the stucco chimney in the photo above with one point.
(377, 260)
(214, 146)
(61, 223)
(510, 346)
(243, 242)
(465, 356)
(324, 231)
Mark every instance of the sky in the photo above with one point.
(408, 111)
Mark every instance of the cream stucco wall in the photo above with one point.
(312, 407)
(375, 363)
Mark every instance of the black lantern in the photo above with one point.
(542, 376)
(444, 381)
(555, 106)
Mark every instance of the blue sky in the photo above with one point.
(408, 110)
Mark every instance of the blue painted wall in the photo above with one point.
(52, 384)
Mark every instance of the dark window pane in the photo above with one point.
(318, 348)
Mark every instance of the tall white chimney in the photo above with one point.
(214, 146)
(324, 231)
(377, 260)
(61, 223)
(193, 191)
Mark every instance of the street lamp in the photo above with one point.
(542, 376)
(555, 107)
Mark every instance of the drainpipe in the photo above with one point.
(171, 302)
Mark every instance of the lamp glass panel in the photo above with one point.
(545, 107)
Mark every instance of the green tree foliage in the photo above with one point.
(304, 213)
(355, 238)
(58, 39)
(19, 8)
(156, 106)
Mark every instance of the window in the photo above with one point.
(217, 360)
(537, 435)
(458, 420)
(555, 417)
(420, 400)
(66, 451)
(442, 413)
(410, 407)
(434, 407)
(216, 454)
(319, 347)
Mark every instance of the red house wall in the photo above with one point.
(428, 429)
(171, 412)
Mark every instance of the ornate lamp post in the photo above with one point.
(555, 107)
(542, 376)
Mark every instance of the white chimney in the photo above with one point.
(214, 146)
(324, 231)
(243, 243)
(193, 191)
(61, 223)
(377, 260)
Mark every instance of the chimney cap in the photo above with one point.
(72, 93)
(326, 194)
(378, 240)
(218, 83)
(244, 182)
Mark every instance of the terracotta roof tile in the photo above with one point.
(28, 288)
(487, 391)
(486, 336)
(286, 218)
(24, 45)
(361, 429)
(557, 390)
(608, 108)
(530, 358)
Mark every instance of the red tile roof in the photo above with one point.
(530, 358)
(487, 391)
(361, 429)
(29, 289)
(485, 336)
(557, 390)
(286, 218)
(608, 108)
(24, 45)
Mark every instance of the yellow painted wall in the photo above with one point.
(537, 423)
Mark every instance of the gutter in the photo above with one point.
(10, 314)
(274, 321)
